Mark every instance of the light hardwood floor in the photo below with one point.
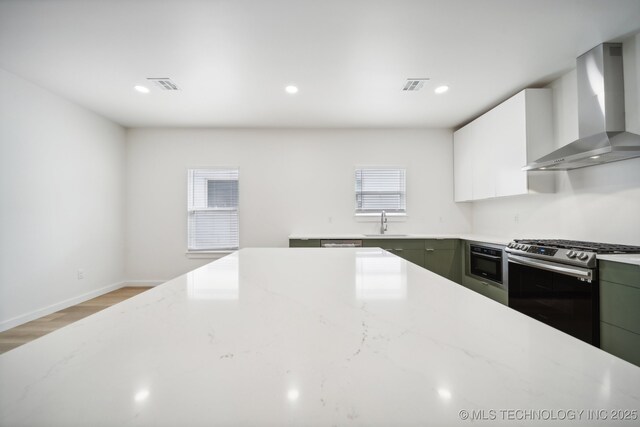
(22, 334)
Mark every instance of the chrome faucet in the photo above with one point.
(383, 222)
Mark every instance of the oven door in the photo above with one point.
(564, 297)
(486, 266)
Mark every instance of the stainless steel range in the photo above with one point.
(556, 282)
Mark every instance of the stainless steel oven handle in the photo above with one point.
(580, 273)
(485, 255)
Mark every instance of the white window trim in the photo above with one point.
(207, 254)
(376, 217)
(393, 216)
(211, 253)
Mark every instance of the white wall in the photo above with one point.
(291, 181)
(62, 188)
(598, 203)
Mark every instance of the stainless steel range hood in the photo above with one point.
(601, 121)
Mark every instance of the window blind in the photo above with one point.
(212, 209)
(381, 189)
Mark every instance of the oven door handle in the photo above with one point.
(580, 273)
(485, 255)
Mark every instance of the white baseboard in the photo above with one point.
(36, 314)
(143, 283)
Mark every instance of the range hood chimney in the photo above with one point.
(601, 121)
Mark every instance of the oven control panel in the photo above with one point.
(541, 250)
(564, 256)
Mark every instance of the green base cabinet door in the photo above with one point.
(415, 256)
(488, 290)
(443, 257)
(620, 342)
(304, 243)
(620, 310)
(410, 249)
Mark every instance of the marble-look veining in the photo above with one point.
(307, 337)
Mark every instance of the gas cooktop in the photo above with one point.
(571, 252)
(599, 248)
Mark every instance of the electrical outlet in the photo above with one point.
(516, 218)
(80, 274)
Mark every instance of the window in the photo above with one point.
(381, 189)
(212, 209)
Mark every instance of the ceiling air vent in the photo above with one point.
(413, 85)
(163, 83)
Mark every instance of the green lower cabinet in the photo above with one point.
(394, 243)
(410, 249)
(620, 342)
(484, 288)
(304, 243)
(619, 310)
(620, 306)
(617, 272)
(415, 256)
(443, 257)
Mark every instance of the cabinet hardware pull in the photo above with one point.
(430, 249)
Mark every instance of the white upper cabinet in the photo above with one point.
(489, 152)
(463, 162)
(511, 141)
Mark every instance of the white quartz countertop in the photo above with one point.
(390, 235)
(623, 258)
(311, 336)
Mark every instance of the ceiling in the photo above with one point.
(350, 59)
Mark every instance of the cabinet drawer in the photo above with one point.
(618, 272)
(497, 294)
(483, 288)
(620, 342)
(394, 243)
(415, 256)
(440, 243)
(304, 243)
(620, 305)
(443, 262)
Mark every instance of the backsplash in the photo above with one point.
(598, 203)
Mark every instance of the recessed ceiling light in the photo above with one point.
(293, 394)
(291, 89)
(441, 89)
(542, 168)
(141, 89)
(141, 395)
(595, 157)
(444, 393)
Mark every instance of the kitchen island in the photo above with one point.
(348, 336)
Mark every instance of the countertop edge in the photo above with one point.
(461, 236)
(633, 259)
